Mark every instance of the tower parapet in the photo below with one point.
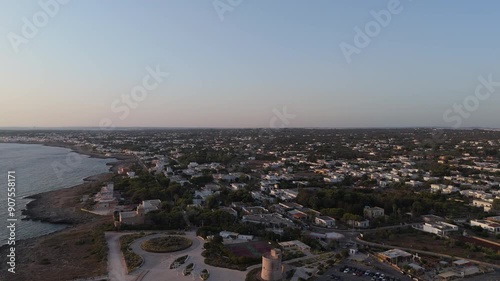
(272, 268)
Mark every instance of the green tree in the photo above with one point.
(496, 204)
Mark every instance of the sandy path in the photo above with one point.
(117, 270)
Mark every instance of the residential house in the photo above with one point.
(271, 220)
(439, 228)
(375, 212)
(359, 224)
(138, 216)
(295, 245)
(325, 221)
(488, 225)
(486, 205)
(298, 215)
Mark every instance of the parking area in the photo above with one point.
(492, 276)
(353, 271)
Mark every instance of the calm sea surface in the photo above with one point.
(38, 169)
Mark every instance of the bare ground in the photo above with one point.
(79, 251)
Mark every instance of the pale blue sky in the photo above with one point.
(263, 55)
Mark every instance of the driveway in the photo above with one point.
(117, 270)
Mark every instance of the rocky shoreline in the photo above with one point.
(63, 206)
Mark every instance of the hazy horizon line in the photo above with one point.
(228, 128)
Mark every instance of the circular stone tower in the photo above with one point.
(272, 269)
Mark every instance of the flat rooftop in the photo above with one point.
(396, 253)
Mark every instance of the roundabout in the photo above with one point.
(166, 244)
(157, 266)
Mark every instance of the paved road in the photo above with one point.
(359, 230)
(495, 266)
(156, 267)
(117, 270)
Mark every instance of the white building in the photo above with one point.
(245, 237)
(333, 179)
(295, 244)
(488, 225)
(437, 187)
(359, 224)
(486, 205)
(450, 189)
(439, 228)
(138, 216)
(234, 235)
(290, 193)
(150, 205)
(228, 234)
(375, 212)
(414, 183)
(105, 198)
(444, 189)
(238, 186)
(325, 221)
